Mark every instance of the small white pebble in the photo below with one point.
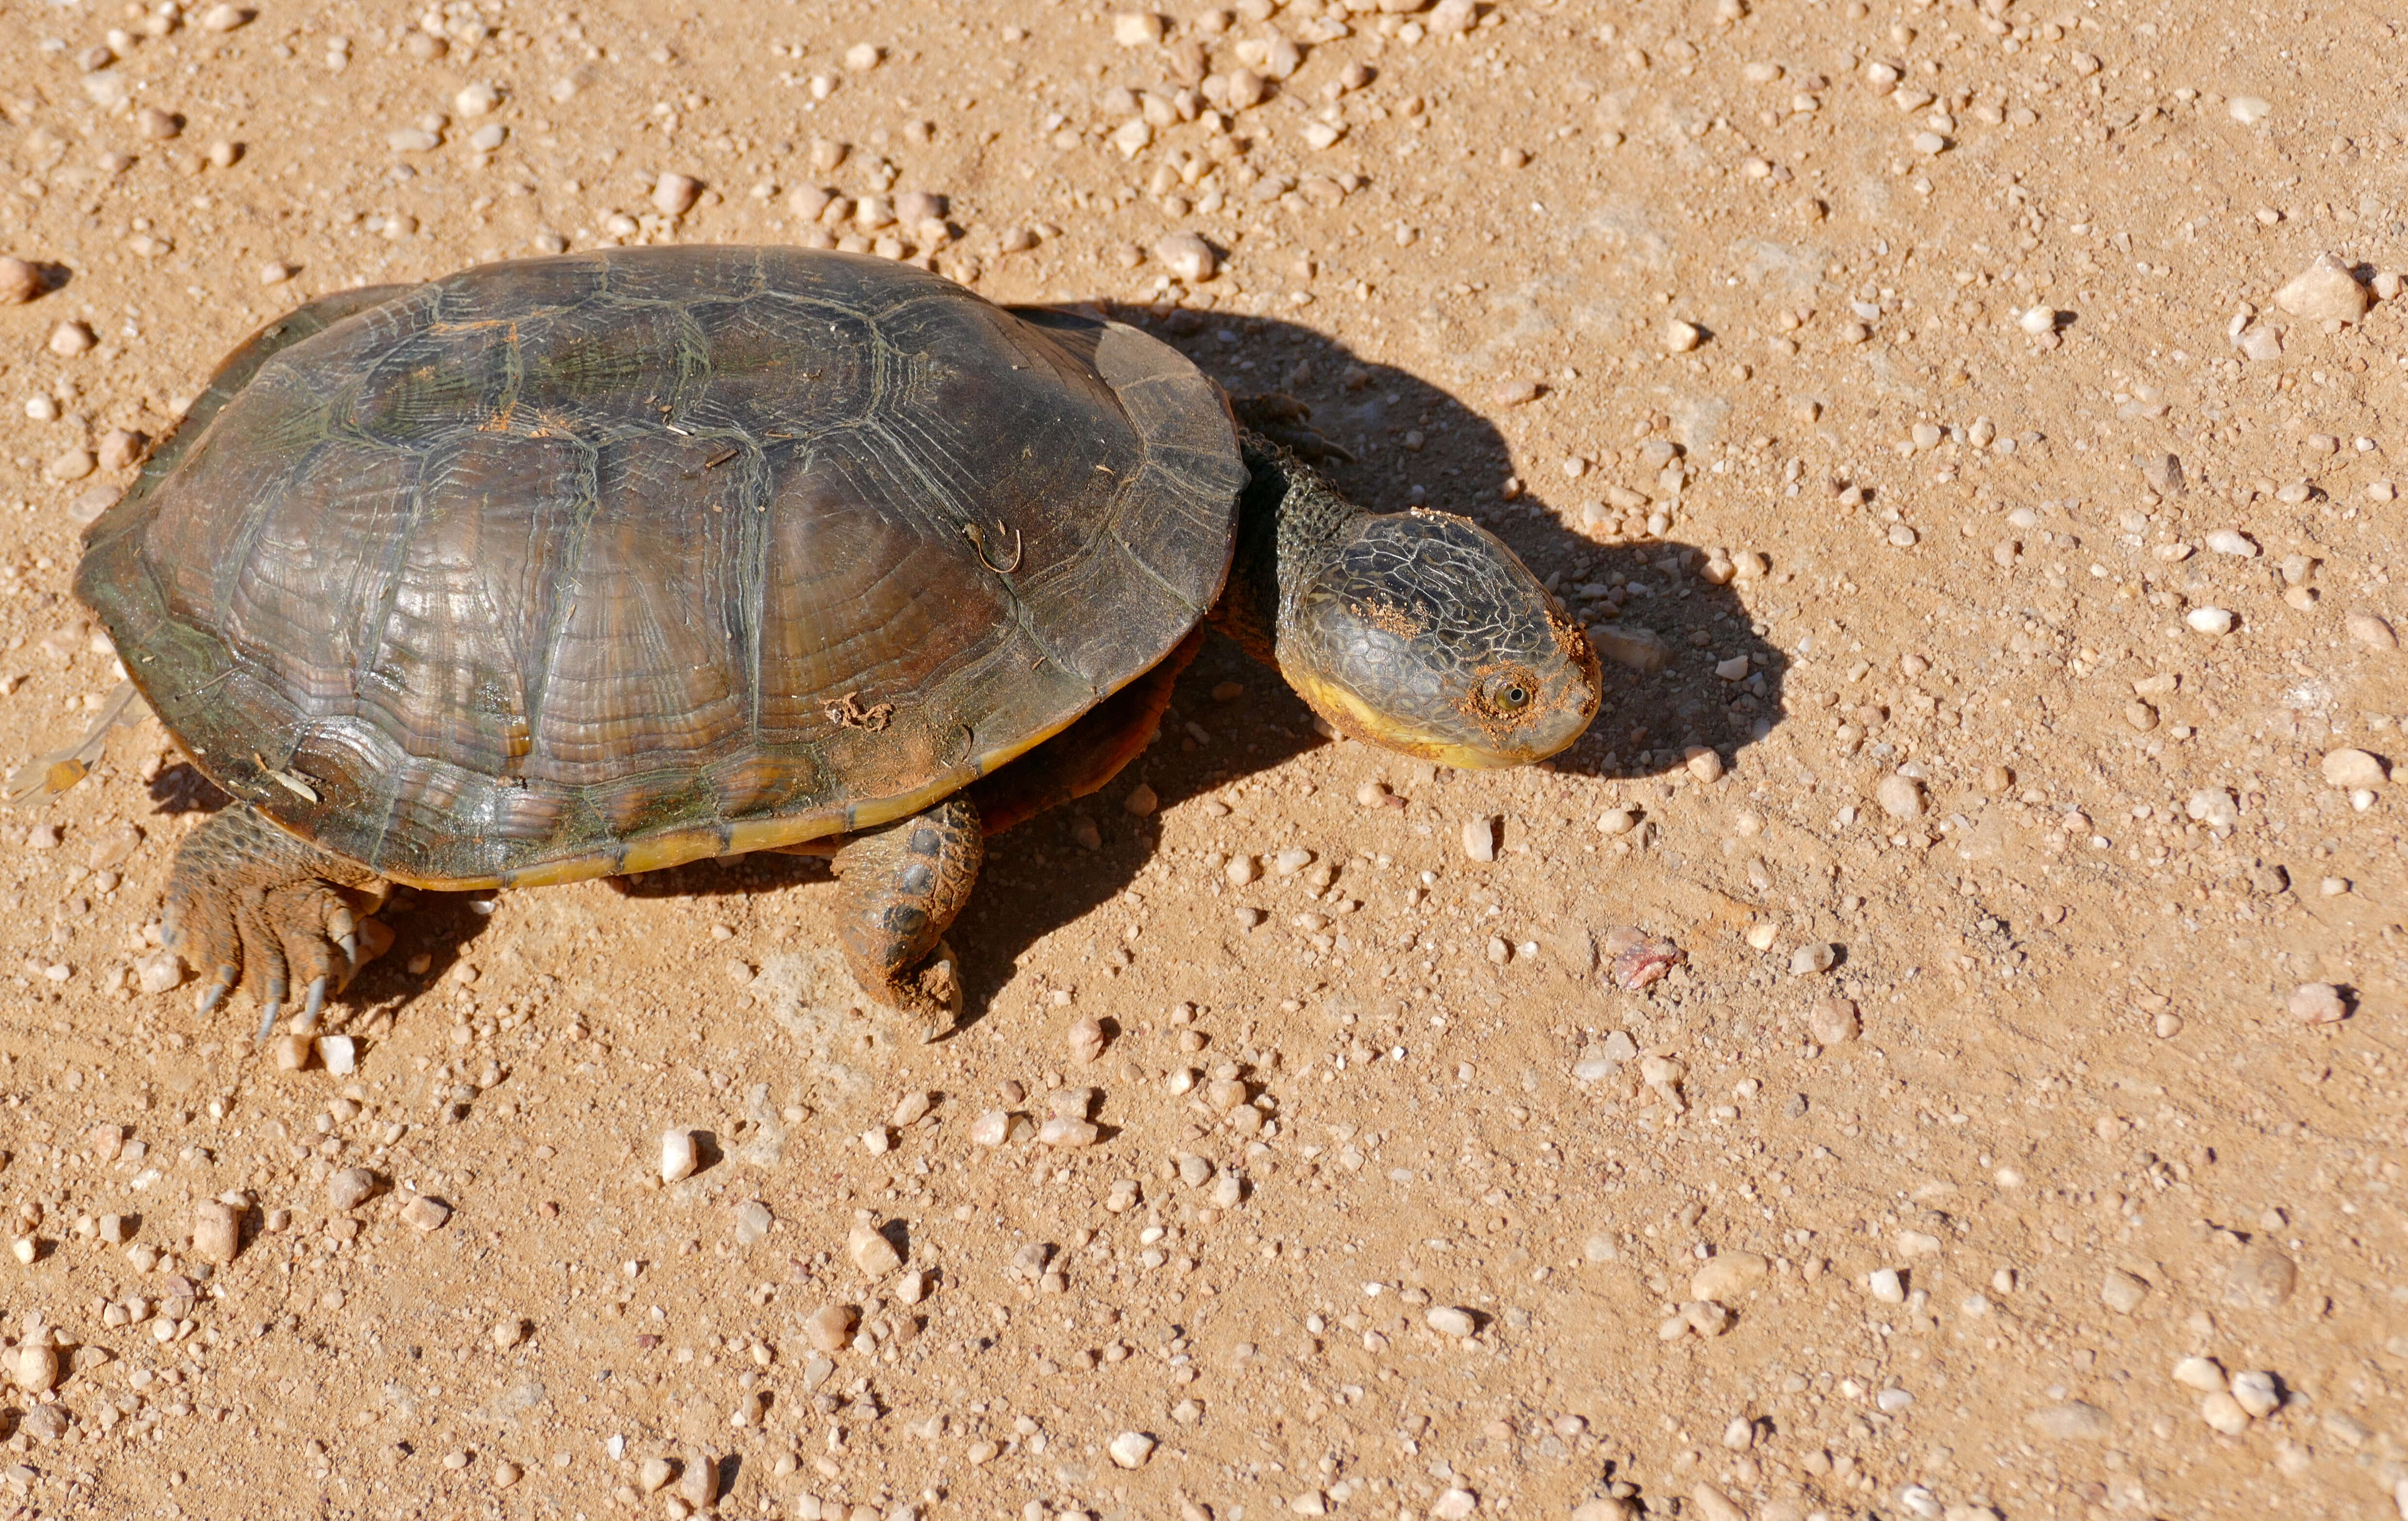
(1480, 837)
(424, 1215)
(678, 1156)
(1188, 257)
(1131, 1449)
(2037, 320)
(674, 194)
(2210, 620)
(1449, 1320)
(1901, 797)
(2233, 541)
(871, 1252)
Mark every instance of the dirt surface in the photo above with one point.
(1627, 284)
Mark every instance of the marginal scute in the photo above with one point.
(570, 566)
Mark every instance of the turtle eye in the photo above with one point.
(1510, 694)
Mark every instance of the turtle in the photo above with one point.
(601, 562)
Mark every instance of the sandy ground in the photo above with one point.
(1839, 351)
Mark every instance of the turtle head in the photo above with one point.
(1421, 633)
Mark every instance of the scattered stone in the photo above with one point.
(1704, 762)
(70, 340)
(1480, 837)
(1726, 1277)
(351, 1187)
(678, 1156)
(508, 1333)
(1616, 821)
(2317, 1003)
(652, 1474)
(217, 1231)
(339, 1054)
(2073, 1420)
(1712, 1504)
(1639, 649)
(1603, 1508)
(35, 1367)
(1833, 1021)
(2123, 1292)
(506, 1473)
(1901, 797)
(1454, 1505)
(871, 1252)
(2255, 1392)
(829, 1328)
(752, 1223)
(2038, 320)
(20, 280)
(674, 194)
(423, 1214)
(1066, 1133)
(2224, 1413)
(1137, 29)
(2354, 768)
(2209, 620)
(1449, 1320)
(1813, 959)
(2262, 1278)
(1681, 337)
(1131, 1449)
(1087, 1040)
(223, 18)
(2371, 631)
(2325, 292)
(1188, 257)
(698, 1486)
(2200, 1374)
(1642, 962)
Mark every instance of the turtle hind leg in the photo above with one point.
(902, 886)
(248, 902)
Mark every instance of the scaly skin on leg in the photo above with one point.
(902, 886)
(248, 900)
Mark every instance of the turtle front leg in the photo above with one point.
(903, 884)
(248, 901)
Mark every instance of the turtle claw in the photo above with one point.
(351, 944)
(316, 1000)
(267, 1018)
(215, 993)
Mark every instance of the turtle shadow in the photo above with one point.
(1686, 664)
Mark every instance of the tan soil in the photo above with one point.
(2008, 1111)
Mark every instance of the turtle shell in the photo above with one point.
(571, 567)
